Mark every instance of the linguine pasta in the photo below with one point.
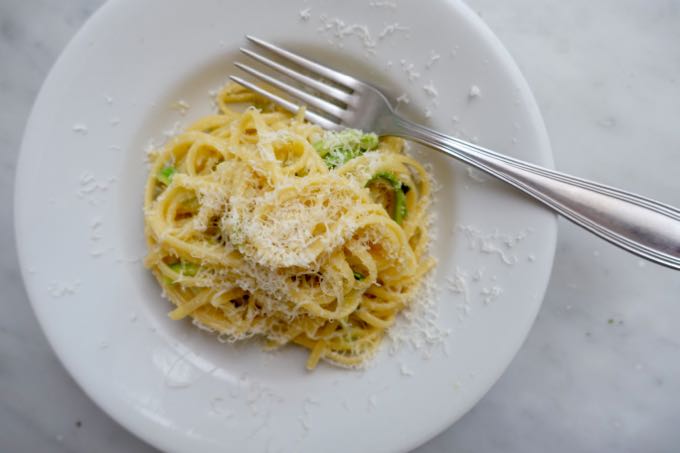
(260, 223)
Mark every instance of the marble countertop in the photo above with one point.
(600, 369)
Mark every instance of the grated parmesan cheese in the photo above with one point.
(403, 99)
(338, 29)
(430, 90)
(173, 131)
(490, 294)
(60, 289)
(409, 69)
(457, 284)
(494, 243)
(476, 175)
(181, 106)
(477, 276)
(434, 57)
(391, 29)
(405, 370)
(90, 189)
(464, 310)
(382, 4)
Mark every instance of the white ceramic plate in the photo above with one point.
(79, 225)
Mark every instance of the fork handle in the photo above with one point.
(640, 225)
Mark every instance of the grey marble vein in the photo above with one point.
(600, 370)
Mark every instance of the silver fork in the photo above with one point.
(640, 225)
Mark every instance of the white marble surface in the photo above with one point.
(600, 370)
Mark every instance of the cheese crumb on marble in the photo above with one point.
(80, 128)
(306, 14)
(304, 423)
(474, 92)
(372, 402)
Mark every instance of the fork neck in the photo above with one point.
(452, 146)
(401, 127)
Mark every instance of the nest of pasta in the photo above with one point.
(260, 223)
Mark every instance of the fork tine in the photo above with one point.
(307, 98)
(319, 86)
(324, 71)
(286, 104)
